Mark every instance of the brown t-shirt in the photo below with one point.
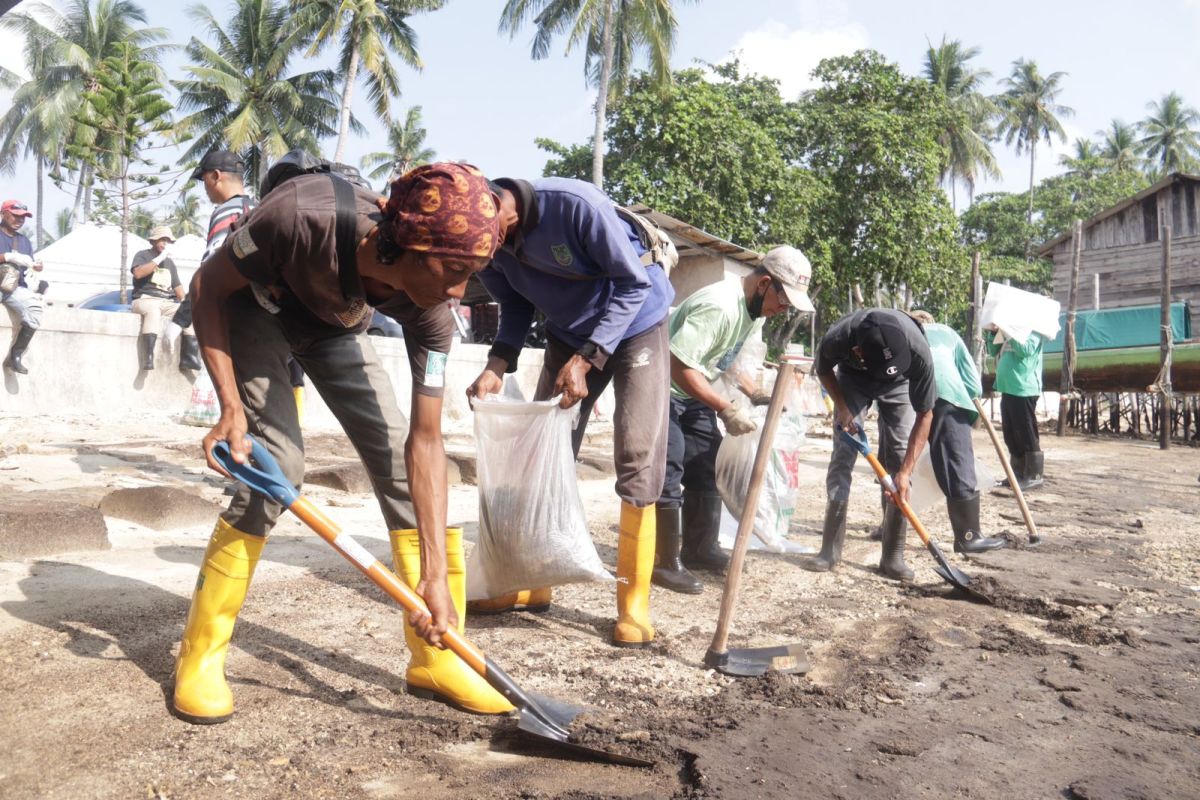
(287, 244)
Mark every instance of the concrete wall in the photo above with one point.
(694, 273)
(86, 362)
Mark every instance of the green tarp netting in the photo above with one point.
(1135, 326)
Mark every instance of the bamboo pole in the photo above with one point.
(1066, 385)
(976, 310)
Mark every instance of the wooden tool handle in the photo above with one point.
(1008, 470)
(783, 381)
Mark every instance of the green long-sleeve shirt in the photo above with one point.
(1018, 366)
(953, 369)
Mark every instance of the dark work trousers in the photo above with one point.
(951, 450)
(640, 371)
(350, 379)
(1018, 417)
(896, 420)
(691, 451)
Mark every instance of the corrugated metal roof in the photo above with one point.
(1174, 177)
(691, 240)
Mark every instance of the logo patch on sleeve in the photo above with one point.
(435, 370)
(242, 244)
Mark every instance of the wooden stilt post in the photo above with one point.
(976, 309)
(1166, 343)
(1066, 385)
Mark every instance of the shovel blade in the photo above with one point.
(749, 662)
(550, 720)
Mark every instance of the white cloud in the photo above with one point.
(12, 54)
(790, 54)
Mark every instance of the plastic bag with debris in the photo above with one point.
(781, 482)
(203, 408)
(532, 529)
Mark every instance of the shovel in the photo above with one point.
(1034, 538)
(542, 717)
(753, 661)
(944, 568)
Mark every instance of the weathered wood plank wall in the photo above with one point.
(1124, 249)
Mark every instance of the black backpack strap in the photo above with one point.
(346, 237)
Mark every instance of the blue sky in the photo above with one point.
(486, 101)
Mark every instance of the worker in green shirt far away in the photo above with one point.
(1019, 381)
(950, 447)
(705, 329)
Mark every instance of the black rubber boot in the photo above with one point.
(669, 572)
(1018, 467)
(895, 531)
(964, 519)
(1032, 476)
(877, 534)
(149, 340)
(19, 345)
(701, 529)
(189, 353)
(833, 536)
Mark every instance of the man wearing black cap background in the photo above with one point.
(875, 355)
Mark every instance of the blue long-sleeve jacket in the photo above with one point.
(579, 264)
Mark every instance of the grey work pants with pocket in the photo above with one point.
(896, 420)
(347, 373)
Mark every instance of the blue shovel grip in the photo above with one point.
(262, 473)
(859, 441)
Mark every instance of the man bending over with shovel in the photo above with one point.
(875, 355)
(298, 277)
(704, 329)
(567, 254)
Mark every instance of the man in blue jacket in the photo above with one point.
(567, 254)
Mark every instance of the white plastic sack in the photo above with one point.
(781, 482)
(1017, 313)
(532, 529)
(203, 408)
(924, 492)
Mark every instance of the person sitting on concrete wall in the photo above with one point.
(157, 293)
(16, 256)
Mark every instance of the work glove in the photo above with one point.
(18, 259)
(737, 420)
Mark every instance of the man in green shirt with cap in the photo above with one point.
(1019, 381)
(706, 329)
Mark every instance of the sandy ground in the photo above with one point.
(1080, 681)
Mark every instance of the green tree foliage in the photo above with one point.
(122, 112)
(64, 50)
(997, 224)
(1031, 115)
(871, 137)
(1119, 147)
(368, 32)
(1170, 139)
(184, 216)
(613, 32)
(967, 137)
(406, 148)
(240, 94)
(712, 153)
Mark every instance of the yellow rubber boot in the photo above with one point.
(535, 601)
(435, 674)
(201, 694)
(298, 393)
(635, 564)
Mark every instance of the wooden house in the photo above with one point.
(1121, 258)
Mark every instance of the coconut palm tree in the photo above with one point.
(184, 216)
(1169, 134)
(1120, 146)
(968, 150)
(1031, 115)
(406, 143)
(240, 95)
(613, 33)
(1085, 161)
(368, 31)
(74, 43)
